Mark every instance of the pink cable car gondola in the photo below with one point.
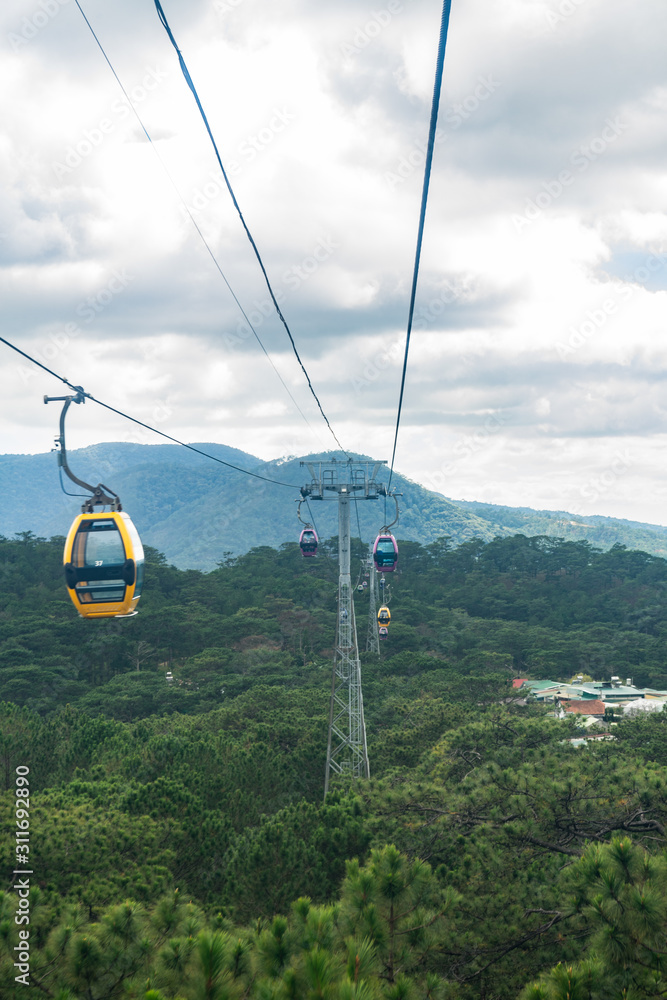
(385, 552)
(308, 542)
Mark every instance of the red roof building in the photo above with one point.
(518, 682)
(591, 706)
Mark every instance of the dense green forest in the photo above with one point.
(179, 845)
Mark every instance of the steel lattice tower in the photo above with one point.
(347, 752)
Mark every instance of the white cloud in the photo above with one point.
(538, 352)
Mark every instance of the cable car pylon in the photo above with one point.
(347, 751)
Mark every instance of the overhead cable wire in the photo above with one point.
(440, 62)
(192, 218)
(148, 427)
(189, 81)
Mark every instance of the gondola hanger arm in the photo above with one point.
(394, 497)
(99, 497)
(307, 524)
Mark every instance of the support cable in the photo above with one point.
(189, 81)
(192, 218)
(444, 24)
(134, 420)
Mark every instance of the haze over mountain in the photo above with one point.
(196, 511)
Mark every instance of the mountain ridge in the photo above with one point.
(198, 512)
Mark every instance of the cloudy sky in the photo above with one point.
(539, 358)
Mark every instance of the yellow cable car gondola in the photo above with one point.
(384, 616)
(104, 565)
(104, 557)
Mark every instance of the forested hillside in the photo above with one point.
(196, 510)
(179, 844)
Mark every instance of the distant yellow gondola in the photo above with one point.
(384, 616)
(104, 565)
